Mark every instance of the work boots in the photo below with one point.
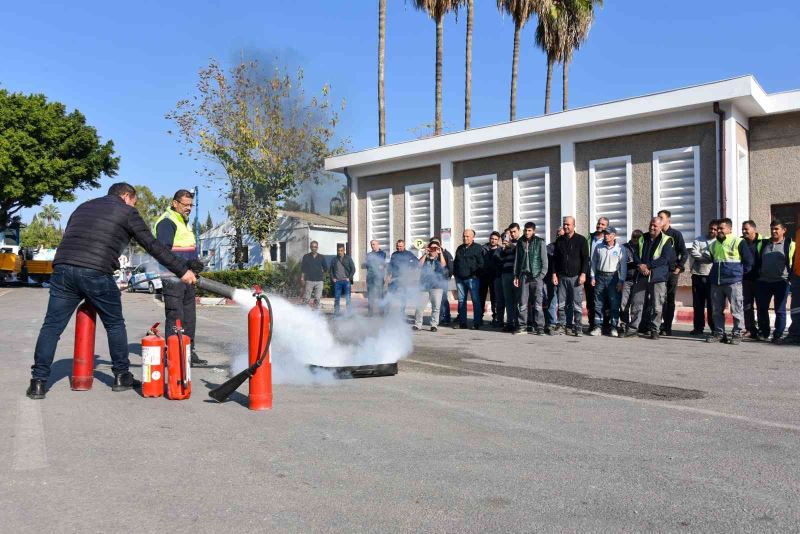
(196, 361)
(125, 381)
(37, 389)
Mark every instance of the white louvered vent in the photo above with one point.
(531, 199)
(419, 214)
(480, 203)
(609, 191)
(675, 188)
(379, 218)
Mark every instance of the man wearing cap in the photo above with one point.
(431, 267)
(608, 272)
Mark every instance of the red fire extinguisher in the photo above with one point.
(83, 355)
(178, 376)
(153, 346)
(259, 323)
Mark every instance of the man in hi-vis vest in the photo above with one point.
(172, 229)
(732, 260)
(654, 258)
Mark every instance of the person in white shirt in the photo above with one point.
(701, 286)
(608, 267)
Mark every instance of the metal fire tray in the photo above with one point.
(360, 371)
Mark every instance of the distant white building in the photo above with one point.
(296, 230)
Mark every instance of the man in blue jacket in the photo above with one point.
(732, 260)
(654, 259)
(403, 267)
(376, 276)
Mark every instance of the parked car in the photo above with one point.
(144, 279)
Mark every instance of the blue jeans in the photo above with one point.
(444, 309)
(550, 302)
(341, 287)
(606, 294)
(69, 285)
(765, 292)
(473, 286)
(794, 328)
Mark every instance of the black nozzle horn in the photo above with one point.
(215, 287)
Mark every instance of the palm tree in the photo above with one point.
(520, 11)
(437, 9)
(339, 202)
(578, 17)
(550, 38)
(51, 214)
(468, 67)
(381, 54)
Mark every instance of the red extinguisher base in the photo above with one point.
(81, 383)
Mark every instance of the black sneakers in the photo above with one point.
(37, 389)
(196, 361)
(125, 381)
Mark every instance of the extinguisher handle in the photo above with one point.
(153, 330)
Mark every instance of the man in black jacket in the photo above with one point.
(83, 268)
(342, 270)
(571, 265)
(489, 275)
(467, 266)
(681, 255)
(654, 257)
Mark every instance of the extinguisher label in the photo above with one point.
(145, 373)
(188, 362)
(151, 355)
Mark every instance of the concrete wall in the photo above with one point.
(640, 148)
(504, 166)
(397, 181)
(774, 164)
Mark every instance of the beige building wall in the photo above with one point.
(504, 166)
(640, 148)
(774, 164)
(397, 181)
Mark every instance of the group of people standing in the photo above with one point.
(629, 288)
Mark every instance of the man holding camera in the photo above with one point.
(432, 267)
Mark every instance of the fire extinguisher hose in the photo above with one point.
(226, 389)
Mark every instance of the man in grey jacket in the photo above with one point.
(530, 266)
(701, 286)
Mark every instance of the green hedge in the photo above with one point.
(282, 279)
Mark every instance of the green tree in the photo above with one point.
(381, 65)
(292, 205)
(149, 205)
(339, 202)
(209, 223)
(468, 65)
(50, 214)
(551, 39)
(437, 9)
(520, 11)
(45, 151)
(37, 234)
(260, 134)
(578, 18)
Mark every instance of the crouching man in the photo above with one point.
(83, 268)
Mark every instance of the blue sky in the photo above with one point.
(124, 65)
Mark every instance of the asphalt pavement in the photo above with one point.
(479, 432)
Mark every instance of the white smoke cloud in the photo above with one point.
(303, 337)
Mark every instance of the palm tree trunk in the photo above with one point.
(512, 112)
(566, 80)
(381, 53)
(437, 126)
(468, 68)
(548, 85)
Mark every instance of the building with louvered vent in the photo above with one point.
(725, 148)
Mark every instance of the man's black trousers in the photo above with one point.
(179, 303)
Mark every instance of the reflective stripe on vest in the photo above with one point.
(664, 240)
(726, 251)
(184, 237)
